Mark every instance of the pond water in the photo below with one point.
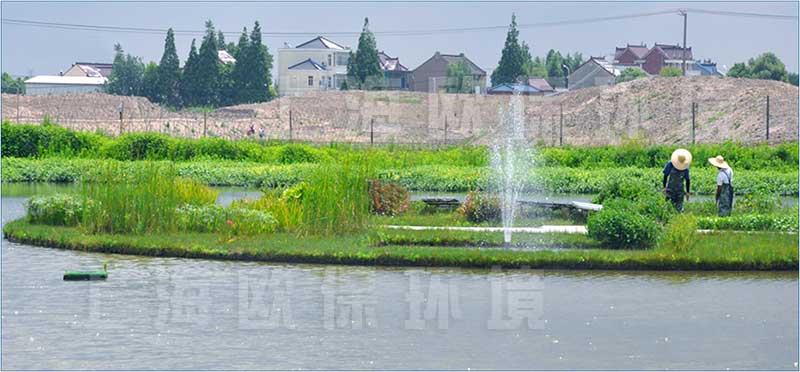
(169, 313)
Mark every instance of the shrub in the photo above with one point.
(284, 207)
(24, 140)
(59, 209)
(680, 233)
(219, 219)
(637, 197)
(478, 207)
(388, 198)
(760, 201)
(752, 222)
(296, 153)
(139, 146)
(616, 227)
(620, 188)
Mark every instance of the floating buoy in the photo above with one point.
(87, 275)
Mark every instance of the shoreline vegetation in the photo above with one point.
(149, 194)
(774, 252)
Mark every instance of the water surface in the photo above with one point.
(169, 313)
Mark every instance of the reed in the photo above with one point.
(141, 201)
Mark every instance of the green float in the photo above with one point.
(87, 275)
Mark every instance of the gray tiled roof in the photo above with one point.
(320, 42)
(308, 64)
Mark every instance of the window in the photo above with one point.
(311, 81)
(342, 58)
(330, 63)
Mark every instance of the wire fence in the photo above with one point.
(400, 117)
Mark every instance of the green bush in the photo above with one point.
(139, 146)
(620, 228)
(217, 219)
(479, 207)
(760, 201)
(58, 209)
(296, 153)
(680, 233)
(43, 140)
(47, 140)
(752, 222)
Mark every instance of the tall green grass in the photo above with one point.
(143, 201)
(336, 201)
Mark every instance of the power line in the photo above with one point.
(423, 32)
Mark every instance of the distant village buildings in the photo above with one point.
(431, 75)
(320, 64)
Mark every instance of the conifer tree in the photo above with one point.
(189, 78)
(169, 73)
(514, 58)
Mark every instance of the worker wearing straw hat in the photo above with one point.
(676, 173)
(724, 196)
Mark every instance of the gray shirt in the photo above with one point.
(724, 176)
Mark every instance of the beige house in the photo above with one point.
(89, 69)
(316, 65)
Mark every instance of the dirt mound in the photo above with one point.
(655, 110)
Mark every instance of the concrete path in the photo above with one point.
(568, 229)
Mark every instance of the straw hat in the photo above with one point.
(681, 159)
(719, 162)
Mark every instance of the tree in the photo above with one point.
(169, 73)
(126, 74)
(207, 77)
(240, 69)
(221, 40)
(671, 71)
(739, 70)
(11, 85)
(189, 78)
(574, 61)
(459, 78)
(260, 65)
(766, 66)
(365, 65)
(792, 77)
(630, 73)
(554, 64)
(513, 59)
(535, 68)
(150, 82)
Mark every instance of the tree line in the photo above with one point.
(516, 63)
(204, 80)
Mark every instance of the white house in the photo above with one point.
(46, 84)
(318, 64)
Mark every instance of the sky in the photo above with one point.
(28, 50)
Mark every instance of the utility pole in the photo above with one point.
(290, 125)
(121, 110)
(683, 63)
(371, 131)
